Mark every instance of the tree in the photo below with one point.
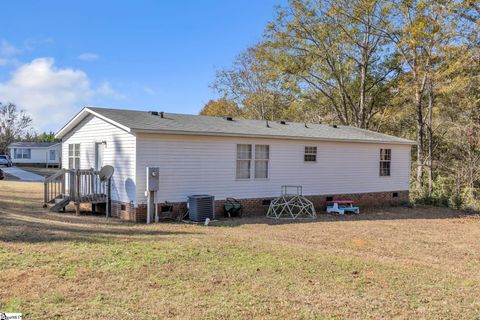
(403, 67)
(14, 123)
(332, 52)
(426, 30)
(221, 107)
(251, 86)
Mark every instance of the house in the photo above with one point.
(228, 157)
(46, 154)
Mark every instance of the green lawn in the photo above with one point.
(396, 263)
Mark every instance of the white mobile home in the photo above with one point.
(36, 153)
(228, 157)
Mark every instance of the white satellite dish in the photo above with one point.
(106, 172)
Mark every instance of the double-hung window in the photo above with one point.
(22, 153)
(262, 156)
(259, 155)
(385, 162)
(310, 154)
(74, 156)
(244, 161)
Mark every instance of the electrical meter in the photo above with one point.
(153, 178)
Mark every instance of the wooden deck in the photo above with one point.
(77, 186)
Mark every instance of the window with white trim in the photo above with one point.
(52, 155)
(262, 157)
(385, 162)
(22, 153)
(310, 154)
(74, 156)
(244, 161)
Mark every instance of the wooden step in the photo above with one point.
(60, 204)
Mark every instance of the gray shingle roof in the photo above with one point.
(183, 123)
(32, 144)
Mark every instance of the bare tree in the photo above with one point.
(14, 123)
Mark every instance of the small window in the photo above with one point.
(310, 154)
(385, 162)
(74, 156)
(52, 154)
(244, 161)
(262, 156)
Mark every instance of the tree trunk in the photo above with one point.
(430, 137)
(420, 140)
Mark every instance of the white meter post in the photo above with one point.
(153, 183)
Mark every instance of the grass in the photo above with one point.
(392, 263)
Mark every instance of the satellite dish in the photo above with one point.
(106, 172)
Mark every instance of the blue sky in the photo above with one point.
(57, 56)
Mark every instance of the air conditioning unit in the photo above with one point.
(201, 207)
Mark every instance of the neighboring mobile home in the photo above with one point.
(228, 157)
(47, 154)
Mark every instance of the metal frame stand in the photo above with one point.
(291, 205)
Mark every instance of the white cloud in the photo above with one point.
(49, 94)
(106, 90)
(7, 49)
(88, 56)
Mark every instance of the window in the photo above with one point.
(385, 162)
(22, 153)
(310, 154)
(246, 154)
(52, 155)
(244, 161)
(262, 155)
(74, 156)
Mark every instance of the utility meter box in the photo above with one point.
(153, 178)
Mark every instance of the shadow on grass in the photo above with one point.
(44, 227)
(371, 214)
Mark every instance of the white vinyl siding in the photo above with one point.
(119, 152)
(195, 164)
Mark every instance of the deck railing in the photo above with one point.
(54, 186)
(77, 185)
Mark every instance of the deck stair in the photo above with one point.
(60, 204)
(77, 186)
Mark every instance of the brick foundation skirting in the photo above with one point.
(259, 206)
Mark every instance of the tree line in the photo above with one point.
(404, 67)
(16, 125)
